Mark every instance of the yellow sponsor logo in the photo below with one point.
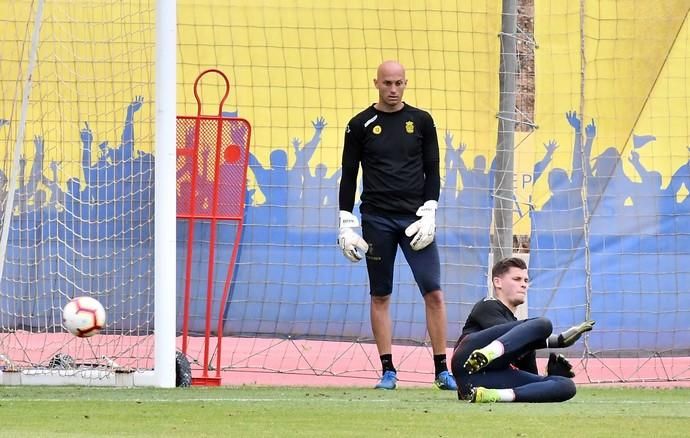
(377, 129)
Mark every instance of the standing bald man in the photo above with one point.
(397, 146)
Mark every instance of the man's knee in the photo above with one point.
(434, 299)
(566, 388)
(544, 325)
(380, 302)
(569, 389)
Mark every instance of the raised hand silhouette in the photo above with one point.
(591, 129)
(551, 146)
(573, 120)
(86, 136)
(319, 124)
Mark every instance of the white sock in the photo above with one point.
(506, 395)
(496, 348)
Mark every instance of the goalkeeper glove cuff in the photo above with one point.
(352, 244)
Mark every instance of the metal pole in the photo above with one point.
(504, 197)
(19, 144)
(165, 236)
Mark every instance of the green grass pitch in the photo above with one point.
(249, 411)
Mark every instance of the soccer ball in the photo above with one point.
(83, 316)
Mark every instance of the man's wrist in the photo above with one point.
(347, 220)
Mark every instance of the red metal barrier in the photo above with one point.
(212, 158)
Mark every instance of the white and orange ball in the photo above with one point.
(83, 316)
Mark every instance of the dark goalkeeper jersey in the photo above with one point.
(488, 313)
(399, 156)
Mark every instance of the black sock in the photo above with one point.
(387, 362)
(440, 363)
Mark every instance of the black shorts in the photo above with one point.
(384, 234)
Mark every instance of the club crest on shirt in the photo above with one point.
(376, 130)
(409, 127)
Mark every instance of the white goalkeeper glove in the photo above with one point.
(352, 244)
(423, 229)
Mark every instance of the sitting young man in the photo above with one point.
(495, 359)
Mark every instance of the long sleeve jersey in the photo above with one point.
(399, 155)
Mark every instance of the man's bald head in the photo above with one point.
(390, 81)
(390, 68)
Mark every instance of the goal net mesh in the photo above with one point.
(601, 178)
(76, 99)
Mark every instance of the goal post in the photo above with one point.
(166, 165)
(87, 135)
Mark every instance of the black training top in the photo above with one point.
(399, 155)
(488, 313)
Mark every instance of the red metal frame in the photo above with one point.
(194, 212)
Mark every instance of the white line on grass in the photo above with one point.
(184, 400)
(319, 399)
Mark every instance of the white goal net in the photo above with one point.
(77, 171)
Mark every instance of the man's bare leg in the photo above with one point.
(381, 324)
(382, 328)
(436, 320)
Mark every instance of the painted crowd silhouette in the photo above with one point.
(93, 236)
(628, 233)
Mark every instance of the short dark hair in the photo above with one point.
(503, 266)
